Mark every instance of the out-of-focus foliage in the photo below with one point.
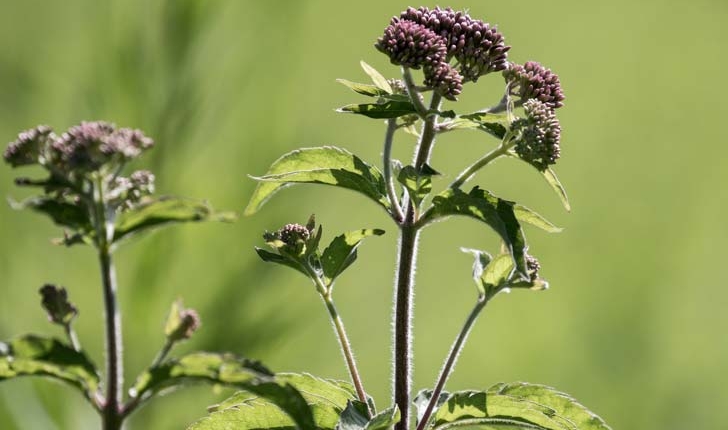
(635, 313)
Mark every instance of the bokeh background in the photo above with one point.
(635, 323)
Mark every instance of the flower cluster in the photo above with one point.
(55, 302)
(182, 323)
(292, 239)
(538, 135)
(430, 39)
(533, 81)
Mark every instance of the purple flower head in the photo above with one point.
(291, 234)
(445, 80)
(411, 45)
(533, 81)
(538, 135)
(29, 146)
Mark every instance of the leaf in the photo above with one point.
(354, 417)
(552, 180)
(271, 257)
(499, 214)
(326, 399)
(32, 355)
(520, 406)
(386, 109)
(385, 419)
(342, 252)
(62, 212)
(482, 259)
(363, 89)
(422, 399)
(160, 211)
(497, 274)
(323, 165)
(524, 214)
(417, 182)
(379, 80)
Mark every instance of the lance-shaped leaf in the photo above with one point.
(32, 355)
(342, 252)
(325, 399)
(499, 214)
(376, 77)
(385, 110)
(524, 214)
(363, 89)
(61, 211)
(323, 165)
(271, 257)
(555, 184)
(418, 182)
(157, 212)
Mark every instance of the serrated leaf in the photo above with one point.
(524, 214)
(32, 355)
(342, 252)
(160, 211)
(386, 110)
(62, 212)
(323, 165)
(483, 206)
(379, 80)
(553, 181)
(418, 183)
(363, 89)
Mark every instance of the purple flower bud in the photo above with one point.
(291, 234)
(56, 304)
(533, 81)
(445, 80)
(411, 45)
(28, 147)
(537, 135)
(181, 323)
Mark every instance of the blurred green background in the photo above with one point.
(634, 325)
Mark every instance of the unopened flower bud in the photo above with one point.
(411, 45)
(538, 135)
(533, 81)
(55, 302)
(445, 80)
(26, 149)
(532, 267)
(181, 323)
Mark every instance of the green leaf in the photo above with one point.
(165, 210)
(499, 214)
(385, 110)
(519, 405)
(354, 417)
(342, 252)
(384, 420)
(326, 399)
(271, 257)
(32, 355)
(524, 214)
(418, 183)
(363, 89)
(379, 80)
(62, 212)
(422, 399)
(553, 181)
(323, 165)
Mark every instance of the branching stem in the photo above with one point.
(468, 173)
(387, 168)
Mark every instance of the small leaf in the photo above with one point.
(418, 183)
(271, 257)
(482, 205)
(379, 80)
(496, 274)
(386, 110)
(324, 165)
(385, 419)
(160, 211)
(354, 417)
(32, 355)
(341, 253)
(363, 89)
(482, 259)
(422, 399)
(62, 212)
(553, 181)
(528, 216)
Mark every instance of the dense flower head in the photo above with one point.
(55, 302)
(27, 148)
(533, 81)
(445, 80)
(411, 45)
(538, 135)
(291, 234)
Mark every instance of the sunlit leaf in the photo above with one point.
(497, 213)
(165, 210)
(363, 89)
(417, 182)
(377, 78)
(385, 110)
(422, 399)
(323, 165)
(553, 181)
(342, 251)
(32, 355)
(354, 417)
(384, 419)
(524, 214)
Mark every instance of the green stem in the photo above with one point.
(468, 173)
(71, 334)
(168, 344)
(407, 257)
(449, 365)
(387, 166)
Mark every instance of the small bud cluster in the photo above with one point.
(538, 135)
(182, 323)
(55, 302)
(292, 234)
(445, 80)
(532, 266)
(129, 191)
(26, 150)
(533, 81)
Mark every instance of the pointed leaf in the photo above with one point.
(62, 212)
(363, 89)
(354, 416)
(482, 260)
(341, 253)
(482, 205)
(324, 165)
(529, 216)
(379, 80)
(387, 109)
(553, 181)
(271, 257)
(160, 211)
(496, 274)
(32, 355)
(417, 182)
(385, 419)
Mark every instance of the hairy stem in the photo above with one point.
(468, 173)
(407, 257)
(387, 167)
(111, 412)
(452, 357)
